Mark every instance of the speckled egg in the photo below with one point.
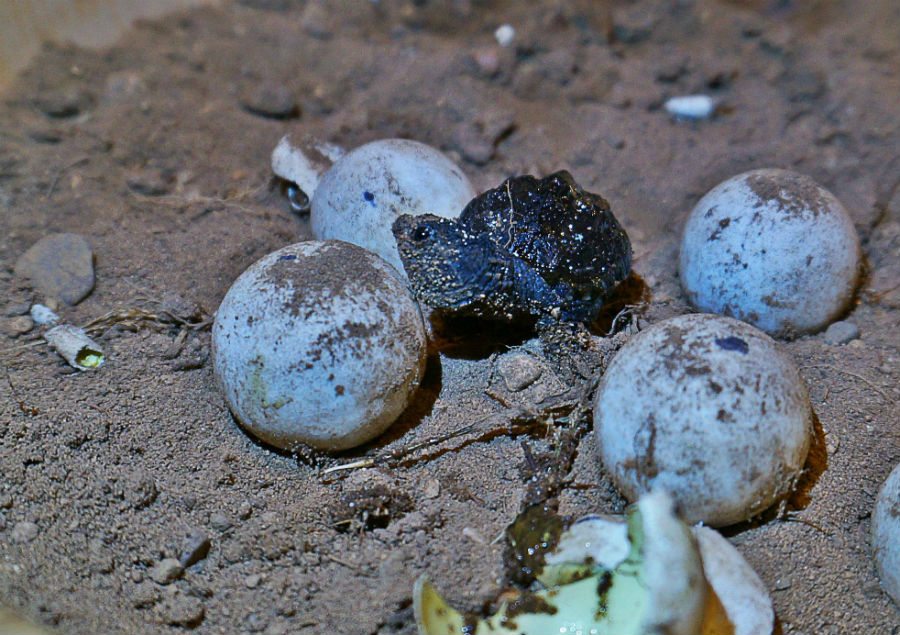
(365, 191)
(886, 535)
(710, 410)
(318, 343)
(772, 248)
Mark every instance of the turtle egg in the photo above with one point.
(772, 248)
(708, 409)
(362, 194)
(886, 535)
(318, 343)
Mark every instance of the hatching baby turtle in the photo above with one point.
(531, 248)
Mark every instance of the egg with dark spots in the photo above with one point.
(318, 343)
(886, 535)
(362, 194)
(771, 248)
(709, 409)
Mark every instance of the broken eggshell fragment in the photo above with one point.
(74, 345)
(738, 602)
(657, 587)
(302, 164)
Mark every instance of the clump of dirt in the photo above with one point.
(157, 151)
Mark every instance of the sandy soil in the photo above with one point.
(157, 151)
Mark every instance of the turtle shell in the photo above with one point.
(567, 235)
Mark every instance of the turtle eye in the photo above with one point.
(422, 233)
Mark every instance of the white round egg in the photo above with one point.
(772, 248)
(362, 194)
(710, 410)
(318, 343)
(886, 535)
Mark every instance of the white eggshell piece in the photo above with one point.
(673, 570)
(710, 410)
(303, 163)
(741, 592)
(772, 248)
(691, 106)
(359, 198)
(886, 535)
(602, 539)
(318, 343)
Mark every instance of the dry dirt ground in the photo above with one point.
(157, 151)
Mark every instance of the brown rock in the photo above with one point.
(59, 266)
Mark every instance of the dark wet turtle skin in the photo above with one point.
(543, 248)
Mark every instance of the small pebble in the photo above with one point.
(24, 531)
(59, 266)
(144, 595)
(783, 584)
(519, 371)
(166, 571)
(693, 107)
(432, 488)
(182, 611)
(141, 492)
(42, 315)
(255, 623)
(6, 501)
(196, 549)
(505, 34)
(63, 102)
(271, 101)
(16, 309)
(841, 333)
(220, 522)
(150, 181)
(18, 325)
(488, 61)
(252, 581)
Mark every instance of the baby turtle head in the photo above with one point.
(447, 268)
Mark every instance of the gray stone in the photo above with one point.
(271, 100)
(145, 595)
(252, 581)
(17, 308)
(181, 610)
(166, 571)
(196, 548)
(841, 333)
(220, 522)
(149, 182)
(24, 532)
(18, 325)
(519, 371)
(59, 266)
(64, 102)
